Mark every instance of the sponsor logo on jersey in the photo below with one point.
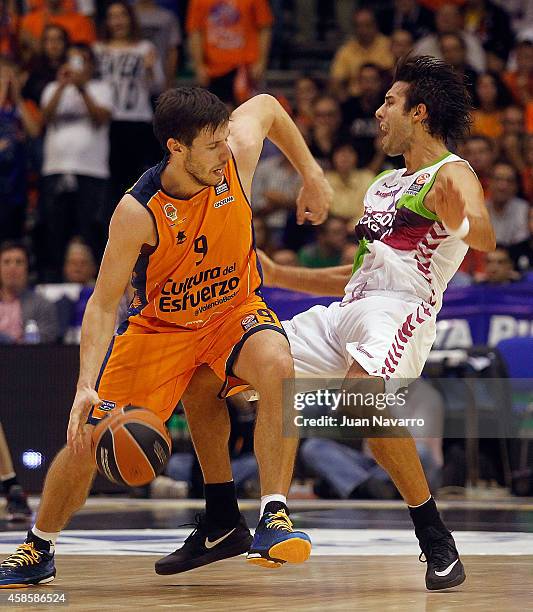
(170, 211)
(181, 237)
(385, 194)
(203, 290)
(249, 321)
(389, 186)
(107, 405)
(221, 188)
(364, 351)
(224, 201)
(418, 183)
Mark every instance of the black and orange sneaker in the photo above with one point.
(27, 566)
(205, 546)
(276, 542)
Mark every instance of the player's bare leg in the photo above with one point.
(399, 458)
(265, 363)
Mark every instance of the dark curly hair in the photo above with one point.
(435, 84)
(182, 113)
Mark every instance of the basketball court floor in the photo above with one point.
(365, 558)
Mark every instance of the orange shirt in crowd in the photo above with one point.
(230, 31)
(79, 27)
(487, 124)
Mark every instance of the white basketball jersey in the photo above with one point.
(403, 246)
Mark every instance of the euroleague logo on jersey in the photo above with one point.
(418, 183)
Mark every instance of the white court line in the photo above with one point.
(326, 542)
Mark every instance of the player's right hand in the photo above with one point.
(84, 399)
(267, 267)
(314, 200)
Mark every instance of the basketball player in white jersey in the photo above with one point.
(416, 229)
(417, 226)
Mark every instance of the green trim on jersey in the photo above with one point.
(380, 175)
(416, 202)
(437, 161)
(362, 250)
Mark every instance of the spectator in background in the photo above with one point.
(522, 252)
(520, 13)
(44, 66)
(306, 91)
(499, 267)
(401, 43)
(228, 37)
(349, 184)
(74, 198)
(274, 190)
(19, 119)
(79, 27)
(480, 152)
(491, 97)
(449, 20)
(9, 28)
(492, 26)
(25, 316)
(452, 48)
(527, 170)
(132, 68)
(359, 120)
(512, 140)
(520, 79)
(324, 131)
(368, 45)
(508, 213)
(79, 267)
(327, 251)
(408, 15)
(162, 28)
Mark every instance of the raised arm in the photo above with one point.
(263, 117)
(458, 196)
(317, 281)
(131, 227)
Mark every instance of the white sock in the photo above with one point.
(7, 476)
(47, 537)
(268, 498)
(421, 503)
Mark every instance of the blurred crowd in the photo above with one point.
(78, 83)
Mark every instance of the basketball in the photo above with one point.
(131, 446)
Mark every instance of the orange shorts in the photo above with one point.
(152, 369)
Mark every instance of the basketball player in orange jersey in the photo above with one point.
(185, 230)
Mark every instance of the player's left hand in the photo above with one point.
(314, 200)
(450, 205)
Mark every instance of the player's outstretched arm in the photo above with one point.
(457, 195)
(131, 227)
(263, 117)
(317, 281)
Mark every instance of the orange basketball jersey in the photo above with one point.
(204, 263)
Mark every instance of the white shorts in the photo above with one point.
(387, 336)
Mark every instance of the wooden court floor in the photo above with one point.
(333, 583)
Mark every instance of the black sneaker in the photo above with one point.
(444, 569)
(203, 547)
(17, 508)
